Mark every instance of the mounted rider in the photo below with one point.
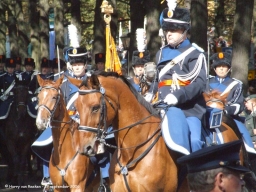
(18, 65)
(100, 59)
(139, 58)
(34, 87)
(7, 84)
(221, 64)
(29, 72)
(181, 82)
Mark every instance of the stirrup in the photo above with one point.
(103, 188)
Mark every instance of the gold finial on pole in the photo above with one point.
(107, 10)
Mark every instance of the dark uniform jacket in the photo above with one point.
(250, 123)
(6, 98)
(235, 98)
(5, 81)
(190, 98)
(28, 76)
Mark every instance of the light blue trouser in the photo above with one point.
(195, 128)
(46, 169)
(245, 134)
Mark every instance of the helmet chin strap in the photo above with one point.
(181, 39)
(225, 73)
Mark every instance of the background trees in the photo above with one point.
(26, 25)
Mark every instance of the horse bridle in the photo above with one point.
(52, 111)
(101, 133)
(21, 103)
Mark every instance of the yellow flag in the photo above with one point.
(112, 60)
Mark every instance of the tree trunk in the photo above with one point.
(199, 23)
(58, 26)
(34, 31)
(242, 39)
(44, 31)
(99, 45)
(154, 41)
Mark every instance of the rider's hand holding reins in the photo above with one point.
(170, 99)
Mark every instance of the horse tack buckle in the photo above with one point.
(62, 172)
(124, 170)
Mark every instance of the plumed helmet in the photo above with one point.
(100, 57)
(179, 18)
(141, 55)
(2, 58)
(10, 62)
(77, 55)
(54, 63)
(140, 58)
(45, 63)
(18, 60)
(29, 61)
(222, 58)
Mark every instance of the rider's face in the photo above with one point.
(222, 71)
(139, 70)
(173, 37)
(10, 70)
(78, 69)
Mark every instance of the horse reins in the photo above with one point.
(62, 171)
(102, 134)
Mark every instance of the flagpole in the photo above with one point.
(58, 54)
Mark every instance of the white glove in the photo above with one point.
(148, 97)
(170, 99)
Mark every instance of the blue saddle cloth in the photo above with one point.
(5, 107)
(31, 107)
(43, 146)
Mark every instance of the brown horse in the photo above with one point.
(228, 128)
(142, 162)
(69, 170)
(19, 133)
(230, 131)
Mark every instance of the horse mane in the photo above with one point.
(138, 96)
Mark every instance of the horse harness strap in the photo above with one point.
(55, 106)
(63, 171)
(124, 169)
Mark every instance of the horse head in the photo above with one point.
(48, 100)
(20, 97)
(97, 108)
(215, 99)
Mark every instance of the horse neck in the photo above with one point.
(135, 113)
(61, 128)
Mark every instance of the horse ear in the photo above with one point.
(40, 80)
(95, 83)
(74, 81)
(59, 80)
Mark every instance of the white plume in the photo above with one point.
(141, 39)
(171, 4)
(73, 36)
(161, 32)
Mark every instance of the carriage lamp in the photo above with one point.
(126, 44)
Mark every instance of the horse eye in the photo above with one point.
(54, 97)
(95, 108)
